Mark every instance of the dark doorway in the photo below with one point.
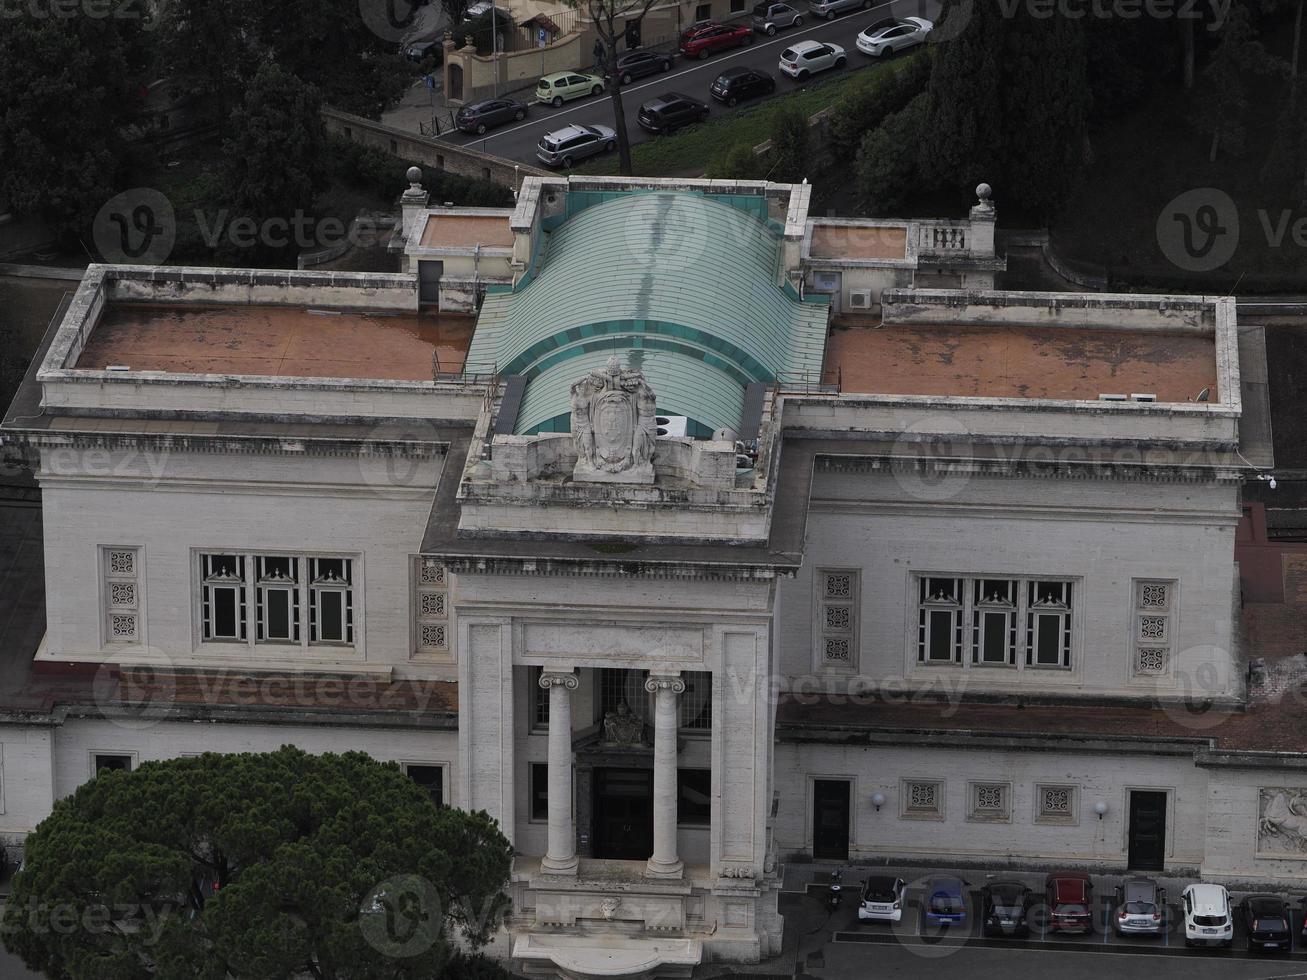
(623, 814)
(1147, 830)
(429, 274)
(830, 819)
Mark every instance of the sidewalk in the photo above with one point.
(414, 111)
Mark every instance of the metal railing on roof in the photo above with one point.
(469, 372)
(808, 382)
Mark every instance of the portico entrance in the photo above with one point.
(623, 813)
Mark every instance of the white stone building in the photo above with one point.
(940, 582)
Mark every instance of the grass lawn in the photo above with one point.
(689, 152)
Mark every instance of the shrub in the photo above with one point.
(887, 159)
(791, 153)
(854, 116)
(739, 162)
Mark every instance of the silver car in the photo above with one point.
(771, 17)
(829, 8)
(1140, 908)
(564, 147)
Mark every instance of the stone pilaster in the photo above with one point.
(665, 863)
(560, 858)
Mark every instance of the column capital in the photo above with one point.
(665, 682)
(557, 678)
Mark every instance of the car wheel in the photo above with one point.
(703, 54)
(703, 116)
(732, 102)
(803, 75)
(839, 62)
(596, 90)
(771, 30)
(626, 79)
(567, 163)
(519, 115)
(609, 146)
(748, 39)
(557, 102)
(798, 22)
(481, 129)
(666, 65)
(866, 4)
(830, 15)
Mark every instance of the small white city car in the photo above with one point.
(1207, 918)
(809, 57)
(881, 899)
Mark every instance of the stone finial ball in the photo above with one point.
(983, 191)
(414, 175)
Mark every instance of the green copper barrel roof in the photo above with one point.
(686, 285)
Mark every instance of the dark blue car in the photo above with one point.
(945, 901)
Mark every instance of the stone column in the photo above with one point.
(560, 859)
(665, 687)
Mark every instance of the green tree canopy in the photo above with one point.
(272, 865)
(887, 159)
(71, 86)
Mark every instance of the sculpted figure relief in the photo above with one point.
(613, 426)
(1282, 823)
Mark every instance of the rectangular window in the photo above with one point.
(431, 607)
(737, 6)
(694, 797)
(994, 622)
(703, 12)
(431, 778)
(277, 599)
(837, 617)
(617, 686)
(289, 599)
(105, 761)
(696, 702)
(539, 701)
(922, 799)
(539, 791)
(120, 573)
(1154, 633)
(939, 621)
(1048, 624)
(331, 608)
(223, 600)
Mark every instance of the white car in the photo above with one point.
(887, 36)
(881, 899)
(1207, 918)
(809, 57)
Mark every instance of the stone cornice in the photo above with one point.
(615, 567)
(1058, 464)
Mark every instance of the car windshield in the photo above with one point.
(879, 891)
(1071, 908)
(544, 83)
(945, 904)
(760, 10)
(1140, 908)
(1270, 925)
(789, 54)
(1209, 920)
(1007, 896)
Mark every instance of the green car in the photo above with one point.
(564, 86)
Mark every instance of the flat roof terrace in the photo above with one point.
(1019, 361)
(446, 229)
(858, 240)
(276, 341)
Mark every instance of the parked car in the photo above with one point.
(1139, 908)
(637, 64)
(735, 84)
(887, 36)
(669, 112)
(564, 147)
(829, 8)
(881, 899)
(1266, 918)
(1003, 907)
(477, 117)
(1070, 896)
(421, 49)
(771, 17)
(1207, 919)
(809, 57)
(564, 86)
(713, 38)
(945, 901)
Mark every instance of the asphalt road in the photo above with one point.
(517, 141)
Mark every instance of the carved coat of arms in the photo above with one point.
(613, 426)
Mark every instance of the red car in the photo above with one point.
(699, 42)
(1070, 901)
